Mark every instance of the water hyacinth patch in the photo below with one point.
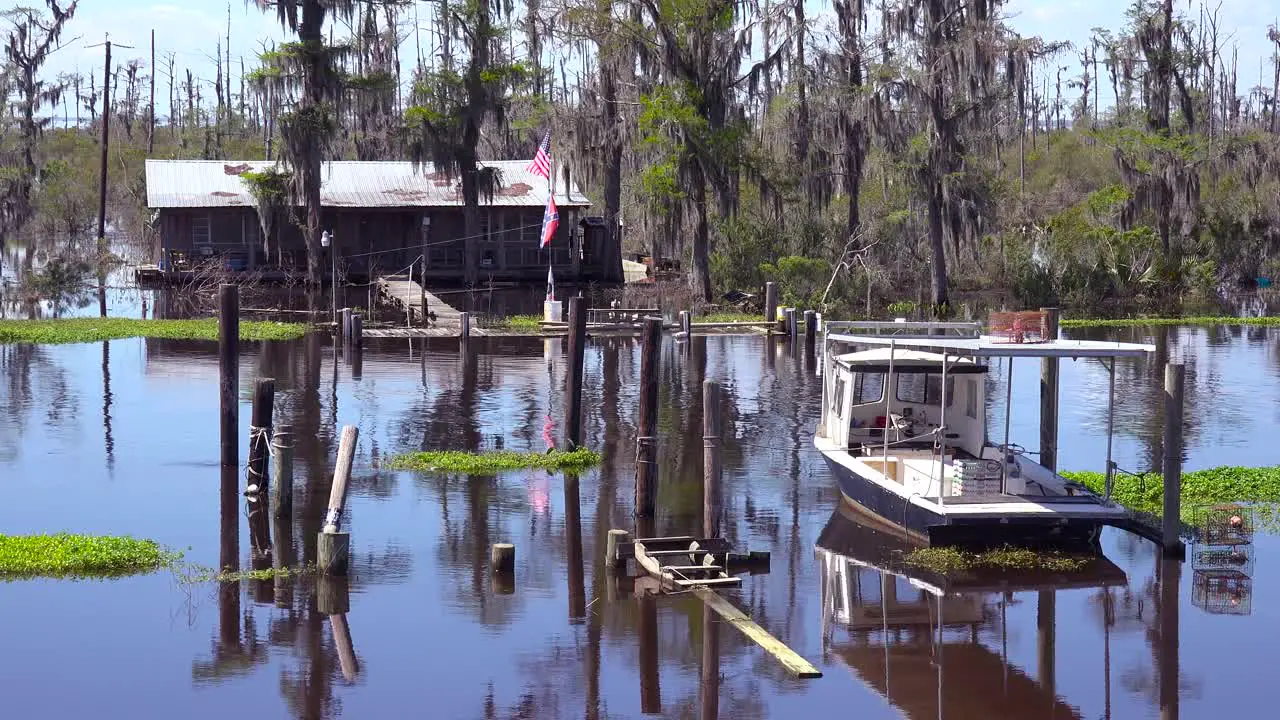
(949, 559)
(67, 555)
(489, 463)
(1200, 488)
(81, 330)
(1203, 321)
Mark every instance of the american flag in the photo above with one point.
(550, 221)
(541, 163)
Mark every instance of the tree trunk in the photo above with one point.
(311, 34)
(937, 247)
(700, 273)
(612, 172)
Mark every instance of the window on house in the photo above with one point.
(868, 388)
(200, 233)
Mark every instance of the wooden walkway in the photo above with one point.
(406, 292)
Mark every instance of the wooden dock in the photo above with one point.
(407, 293)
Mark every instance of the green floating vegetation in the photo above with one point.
(66, 555)
(528, 323)
(1206, 321)
(949, 559)
(497, 461)
(1200, 488)
(200, 574)
(81, 330)
(730, 317)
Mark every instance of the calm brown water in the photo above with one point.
(122, 437)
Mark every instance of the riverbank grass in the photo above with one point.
(83, 330)
(67, 555)
(1201, 321)
(1200, 488)
(488, 463)
(729, 317)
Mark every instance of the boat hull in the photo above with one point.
(937, 528)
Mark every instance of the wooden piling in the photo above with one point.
(264, 394)
(346, 650)
(1047, 640)
(650, 682)
(646, 442)
(686, 324)
(1049, 396)
(1174, 377)
(357, 331)
(333, 595)
(282, 472)
(502, 558)
(615, 538)
(792, 325)
(711, 434)
(810, 331)
(464, 320)
(229, 372)
(333, 547)
(574, 374)
(709, 687)
(770, 303)
(333, 552)
(344, 332)
(573, 548)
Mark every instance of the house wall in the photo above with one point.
(372, 241)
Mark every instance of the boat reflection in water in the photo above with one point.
(912, 634)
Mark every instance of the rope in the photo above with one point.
(444, 242)
(254, 481)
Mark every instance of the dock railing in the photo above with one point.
(902, 329)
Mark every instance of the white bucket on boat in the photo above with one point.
(553, 311)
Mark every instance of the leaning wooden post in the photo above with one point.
(574, 376)
(711, 434)
(333, 547)
(1049, 395)
(646, 441)
(282, 472)
(1174, 377)
(771, 304)
(264, 395)
(229, 372)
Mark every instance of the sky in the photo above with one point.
(190, 29)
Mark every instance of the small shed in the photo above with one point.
(384, 217)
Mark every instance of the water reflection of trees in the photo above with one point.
(32, 381)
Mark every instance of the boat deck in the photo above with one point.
(998, 499)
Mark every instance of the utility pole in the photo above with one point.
(151, 134)
(102, 177)
(102, 183)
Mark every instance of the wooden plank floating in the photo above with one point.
(789, 658)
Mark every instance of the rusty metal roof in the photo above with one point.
(346, 183)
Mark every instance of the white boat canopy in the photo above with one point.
(988, 346)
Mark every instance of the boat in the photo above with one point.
(932, 644)
(903, 428)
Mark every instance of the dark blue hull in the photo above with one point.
(938, 529)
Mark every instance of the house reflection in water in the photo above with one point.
(913, 635)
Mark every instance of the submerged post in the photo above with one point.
(333, 546)
(1049, 395)
(1174, 376)
(711, 469)
(282, 472)
(770, 303)
(574, 376)
(264, 394)
(646, 450)
(615, 538)
(229, 372)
